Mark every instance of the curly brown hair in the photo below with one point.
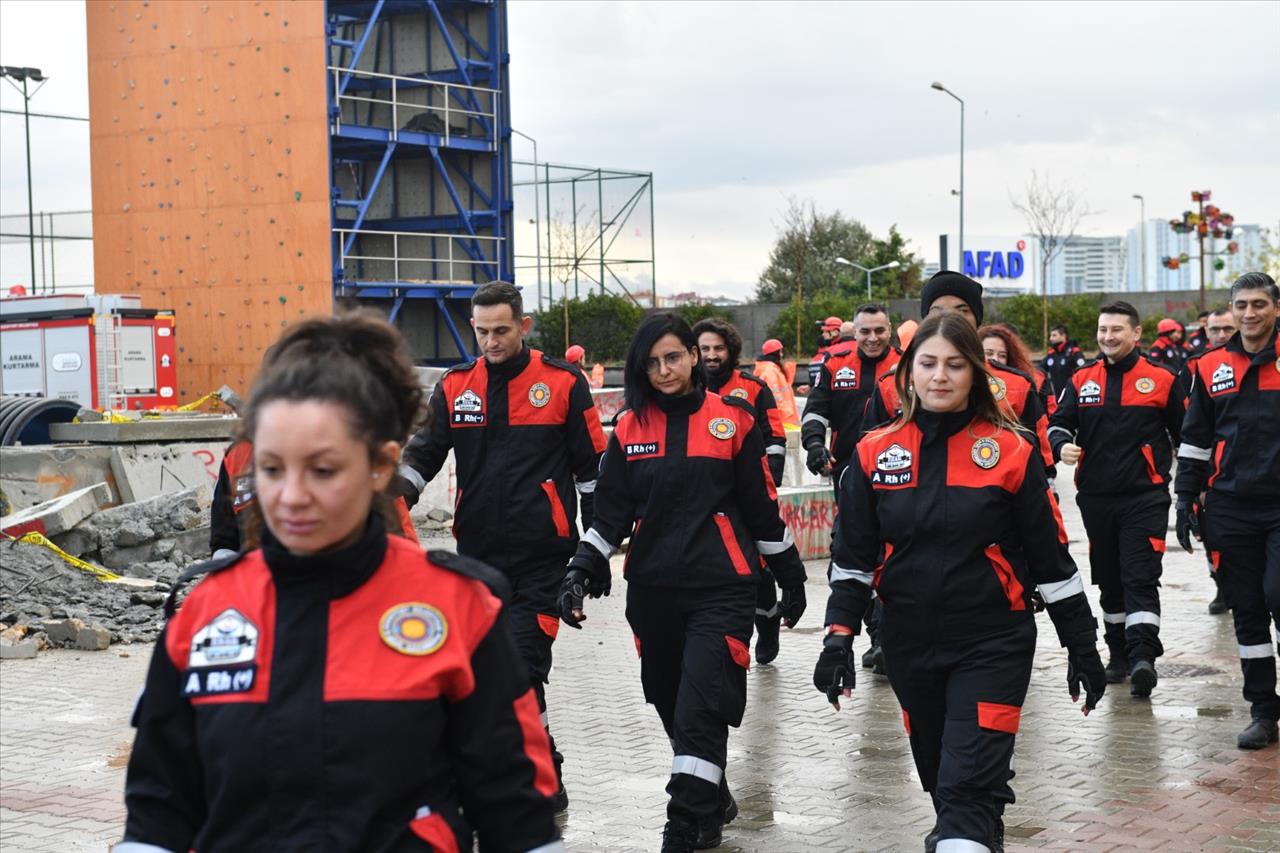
(1019, 355)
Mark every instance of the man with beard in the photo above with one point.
(720, 345)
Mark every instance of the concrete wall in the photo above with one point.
(210, 157)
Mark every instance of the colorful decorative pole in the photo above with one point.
(1211, 222)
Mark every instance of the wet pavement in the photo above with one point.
(1160, 774)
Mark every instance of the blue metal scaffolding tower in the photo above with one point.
(420, 130)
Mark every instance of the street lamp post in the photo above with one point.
(892, 265)
(942, 88)
(537, 225)
(25, 74)
(1142, 231)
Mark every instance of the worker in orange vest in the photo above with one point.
(778, 375)
(577, 356)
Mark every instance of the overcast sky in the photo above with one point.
(734, 106)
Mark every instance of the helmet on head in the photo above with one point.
(574, 354)
(771, 346)
(1168, 325)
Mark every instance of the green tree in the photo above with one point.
(692, 312)
(804, 255)
(810, 312)
(1027, 312)
(904, 282)
(602, 324)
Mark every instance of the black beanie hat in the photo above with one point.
(948, 283)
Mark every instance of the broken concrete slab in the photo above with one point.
(92, 639)
(24, 649)
(74, 633)
(202, 428)
(144, 471)
(33, 474)
(58, 515)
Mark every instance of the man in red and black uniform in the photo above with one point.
(414, 652)
(1063, 358)
(523, 428)
(1118, 422)
(845, 381)
(1167, 349)
(1231, 449)
(232, 494)
(1198, 340)
(720, 345)
(1015, 390)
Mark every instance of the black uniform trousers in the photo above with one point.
(961, 704)
(534, 616)
(1245, 534)
(694, 653)
(1126, 548)
(871, 616)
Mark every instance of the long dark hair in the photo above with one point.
(960, 333)
(635, 379)
(356, 360)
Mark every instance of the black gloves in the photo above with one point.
(1085, 674)
(588, 576)
(792, 605)
(1188, 521)
(836, 667)
(573, 590)
(819, 460)
(403, 487)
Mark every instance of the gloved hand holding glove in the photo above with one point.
(818, 460)
(588, 576)
(1188, 522)
(835, 672)
(792, 605)
(1085, 674)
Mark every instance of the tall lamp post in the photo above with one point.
(942, 88)
(1142, 232)
(11, 73)
(537, 225)
(892, 265)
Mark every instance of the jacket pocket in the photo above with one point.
(558, 516)
(731, 545)
(1013, 590)
(1149, 455)
(432, 828)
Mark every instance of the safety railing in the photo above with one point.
(438, 118)
(350, 248)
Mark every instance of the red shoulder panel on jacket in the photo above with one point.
(642, 440)
(539, 395)
(1146, 385)
(891, 458)
(979, 457)
(717, 429)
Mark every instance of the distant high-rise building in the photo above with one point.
(1088, 265)
(1163, 242)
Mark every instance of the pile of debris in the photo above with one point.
(58, 583)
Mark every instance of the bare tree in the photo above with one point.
(1053, 213)
(572, 237)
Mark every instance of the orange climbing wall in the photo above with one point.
(210, 156)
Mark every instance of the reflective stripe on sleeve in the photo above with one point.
(1066, 432)
(693, 766)
(586, 487)
(961, 845)
(139, 847)
(1261, 650)
(595, 540)
(553, 847)
(768, 614)
(768, 548)
(1058, 590)
(840, 573)
(776, 449)
(1113, 618)
(411, 474)
(222, 552)
(1190, 451)
(814, 416)
(1142, 617)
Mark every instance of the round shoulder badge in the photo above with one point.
(1145, 385)
(413, 628)
(997, 391)
(985, 453)
(740, 393)
(540, 395)
(722, 428)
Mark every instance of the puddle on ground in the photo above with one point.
(1176, 712)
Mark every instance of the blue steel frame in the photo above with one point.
(365, 146)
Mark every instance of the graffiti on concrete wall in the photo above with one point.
(809, 514)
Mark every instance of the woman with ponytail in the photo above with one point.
(331, 687)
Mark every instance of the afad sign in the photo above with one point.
(987, 264)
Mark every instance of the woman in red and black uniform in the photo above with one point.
(332, 687)
(954, 496)
(686, 469)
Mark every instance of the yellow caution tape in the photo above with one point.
(97, 571)
(190, 407)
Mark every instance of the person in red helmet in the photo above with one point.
(830, 332)
(774, 371)
(1167, 349)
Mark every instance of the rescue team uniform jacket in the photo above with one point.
(368, 699)
(521, 431)
(233, 494)
(1127, 418)
(839, 396)
(1060, 361)
(744, 385)
(967, 525)
(693, 480)
(1231, 434)
(1012, 389)
(1166, 352)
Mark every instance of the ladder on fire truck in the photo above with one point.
(107, 352)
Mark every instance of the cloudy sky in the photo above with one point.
(736, 106)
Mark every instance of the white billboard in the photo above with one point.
(1005, 266)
